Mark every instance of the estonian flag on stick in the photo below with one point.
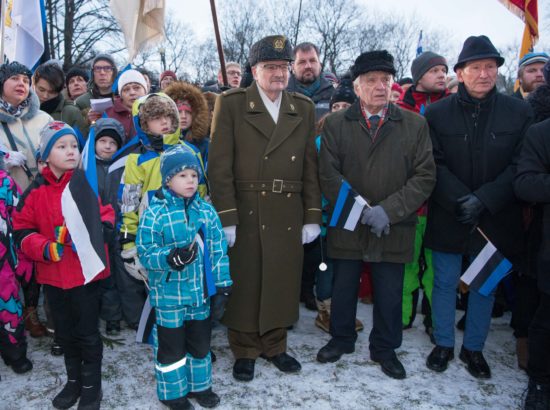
(80, 208)
(487, 269)
(348, 209)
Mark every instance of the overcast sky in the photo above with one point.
(461, 18)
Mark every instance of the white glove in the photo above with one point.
(132, 264)
(230, 234)
(14, 159)
(310, 232)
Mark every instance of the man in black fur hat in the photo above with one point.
(476, 135)
(389, 162)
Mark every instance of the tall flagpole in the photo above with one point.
(2, 29)
(218, 42)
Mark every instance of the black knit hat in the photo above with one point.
(424, 62)
(77, 72)
(344, 92)
(478, 48)
(10, 69)
(378, 60)
(270, 48)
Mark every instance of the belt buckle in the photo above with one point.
(277, 186)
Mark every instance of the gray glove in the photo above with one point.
(377, 219)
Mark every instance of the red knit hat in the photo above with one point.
(168, 73)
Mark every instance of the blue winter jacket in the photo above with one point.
(169, 222)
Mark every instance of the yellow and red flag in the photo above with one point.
(526, 10)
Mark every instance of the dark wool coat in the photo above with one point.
(532, 184)
(476, 145)
(263, 178)
(396, 171)
(321, 98)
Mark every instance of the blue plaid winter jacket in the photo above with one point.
(169, 222)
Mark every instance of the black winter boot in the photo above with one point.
(206, 398)
(91, 393)
(538, 396)
(68, 396)
(182, 403)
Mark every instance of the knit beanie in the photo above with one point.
(109, 127)
(76, 72)
(50, 133)
(344, 92)
(378, 60)
(131, 76)
(532, 58)
(424, 62)
(168, 73)
(10, 69)
(176, 159)
(104, 57)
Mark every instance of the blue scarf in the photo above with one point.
(309, 91)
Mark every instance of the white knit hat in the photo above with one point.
(131, 76)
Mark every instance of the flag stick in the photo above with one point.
(218, 42)
(3, 29)
(482, 234)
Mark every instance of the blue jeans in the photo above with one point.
(447, 272)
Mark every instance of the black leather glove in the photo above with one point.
(109, 234)
(218, 303)
(468, 209)
(179, 257)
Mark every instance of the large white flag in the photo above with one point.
(24, 31)
(141, 21)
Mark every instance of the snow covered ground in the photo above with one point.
(352, 383)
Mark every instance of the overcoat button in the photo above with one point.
(293, 158)
(263, 193)
(288, 195)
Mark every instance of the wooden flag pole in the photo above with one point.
(482, 234)
(2, 29)
(219, 42)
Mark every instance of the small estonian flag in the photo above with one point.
(486, 270)
(80, 208)
(348, 209)
(147, 321)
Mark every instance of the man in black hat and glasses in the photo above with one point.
(476, 135)
(384, 153)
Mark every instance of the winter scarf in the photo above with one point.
(309, 91)
(15, 111)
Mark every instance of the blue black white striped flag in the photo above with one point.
(80, 208)
(348, 208)
(486, 270)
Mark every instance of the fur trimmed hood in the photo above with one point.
(29, 112)
(540, 102)
(180, 91)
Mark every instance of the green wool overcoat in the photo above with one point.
(263, 179)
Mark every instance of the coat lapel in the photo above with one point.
(256, 113)
(286, 124)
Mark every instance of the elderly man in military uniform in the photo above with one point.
(264, 185)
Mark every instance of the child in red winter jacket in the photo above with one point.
(41, 233)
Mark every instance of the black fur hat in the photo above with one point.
(378, 60)
(270, 48)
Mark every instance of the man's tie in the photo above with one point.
(374, 120)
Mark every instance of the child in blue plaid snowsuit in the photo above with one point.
(181, 243)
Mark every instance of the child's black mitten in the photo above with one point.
(179, 257)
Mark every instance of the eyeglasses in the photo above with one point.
(106, 68)
(272, 68)
(234, 73)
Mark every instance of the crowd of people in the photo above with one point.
(230, 203)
